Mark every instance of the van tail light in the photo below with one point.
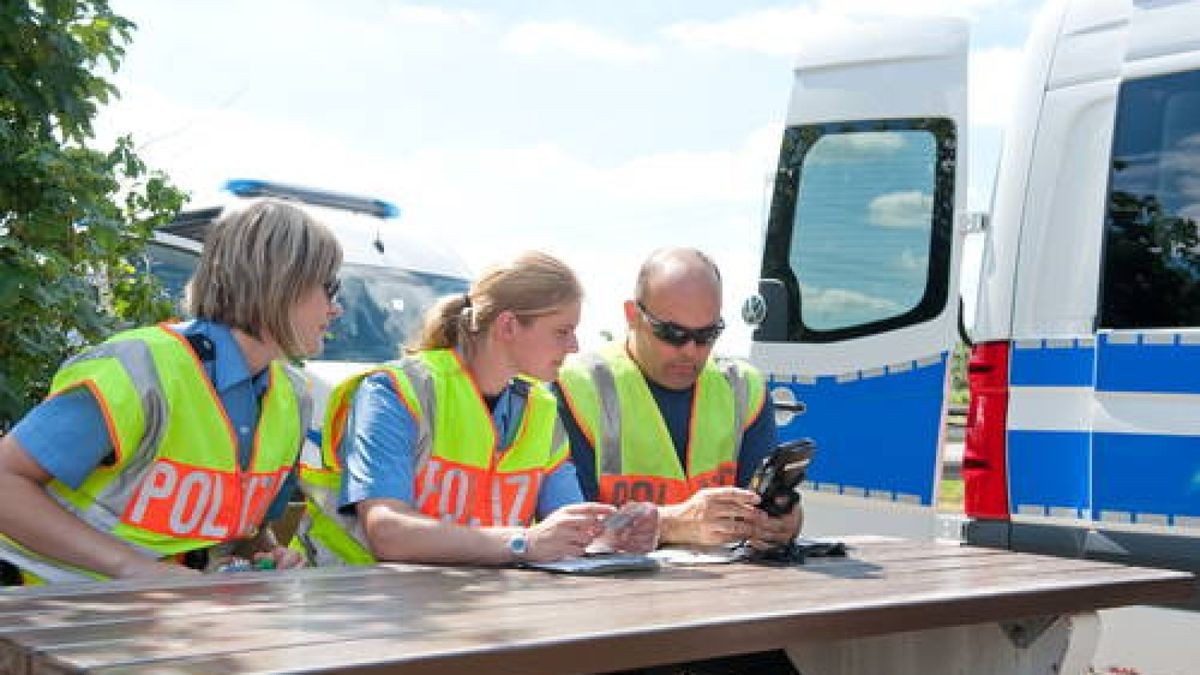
(984, 464)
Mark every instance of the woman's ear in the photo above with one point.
(506, 325)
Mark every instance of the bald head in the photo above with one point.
(677, 289)
(675, 268)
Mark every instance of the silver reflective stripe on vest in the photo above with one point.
(304, 398)
(422, 383)
(741, 399)
(135, 357)
(104, 513)
(558, 438)
(609, 435)
(49, 570)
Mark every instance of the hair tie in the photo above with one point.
(466, 315)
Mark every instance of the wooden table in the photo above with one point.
(887, 599)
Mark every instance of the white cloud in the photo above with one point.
(568, 37)
(908, 209)
(437, 16)
(863, 146)
(780, 32)
(777, 32)
(911, 261)
(843, 303)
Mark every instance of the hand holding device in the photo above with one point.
(776, 479)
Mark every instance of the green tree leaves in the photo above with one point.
(74, 220)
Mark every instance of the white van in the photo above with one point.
(1084, 424)
(389, 276)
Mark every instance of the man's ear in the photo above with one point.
(631, 314)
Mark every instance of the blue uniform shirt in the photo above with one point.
(71, 451)
(380, 440)
(675, 405)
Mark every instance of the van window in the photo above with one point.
(860, 231)
(172, 266)
(1151, 276)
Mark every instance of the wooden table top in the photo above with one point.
(425, 619)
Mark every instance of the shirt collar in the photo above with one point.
(229, 369)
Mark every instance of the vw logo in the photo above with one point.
(754, 310)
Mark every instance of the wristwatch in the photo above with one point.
(518, 545)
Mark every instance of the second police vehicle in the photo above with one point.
(1083, 431)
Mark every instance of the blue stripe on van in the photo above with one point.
(1133, 476)
(1143, 474)
(1048, 470)
(875, 433)
(1166, 368)
(1052, 366)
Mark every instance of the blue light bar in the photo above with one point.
(262, 188)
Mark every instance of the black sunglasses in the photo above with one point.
(332, 288)
(678, 336)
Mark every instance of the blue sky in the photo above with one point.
(594, 130)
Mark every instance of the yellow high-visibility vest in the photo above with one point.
(635, 456)
(175, 484)
(463, 475)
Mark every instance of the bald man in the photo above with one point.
(659, 419)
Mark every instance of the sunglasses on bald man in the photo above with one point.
(678, 336)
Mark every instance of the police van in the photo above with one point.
(1083, 429)
(389, 276)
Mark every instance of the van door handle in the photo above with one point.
(797, 407)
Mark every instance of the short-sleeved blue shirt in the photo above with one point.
(675, 405)
(379, 449)
(67, 436)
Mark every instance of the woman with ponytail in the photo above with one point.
(455, 454)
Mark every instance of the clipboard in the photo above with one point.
(603, 563)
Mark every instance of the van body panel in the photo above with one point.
(997, 272)
(873, 402)
(1066, 255)
(1165, 29)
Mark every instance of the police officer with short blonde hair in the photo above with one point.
(167, 443)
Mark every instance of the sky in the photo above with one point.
(596, 131)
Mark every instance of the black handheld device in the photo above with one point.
(776, 478)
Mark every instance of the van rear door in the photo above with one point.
(859, 262)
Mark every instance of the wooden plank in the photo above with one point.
(268, 591)
(108, 620)
(513, 643)
(47, 600)
(900, 594)
(425, 593)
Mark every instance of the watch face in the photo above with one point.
(518, 544)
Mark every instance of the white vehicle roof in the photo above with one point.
(369, 230)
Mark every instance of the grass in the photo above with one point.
(950, 495)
